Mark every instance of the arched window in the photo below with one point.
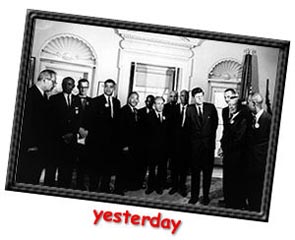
(68, 55)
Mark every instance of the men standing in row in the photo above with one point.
(102, 140)
(65, 122)
(35, 136)
(258, 146)
(202, 120)
(182, 150)
(157, 159)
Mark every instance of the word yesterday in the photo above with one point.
(135, 219)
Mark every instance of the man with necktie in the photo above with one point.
(258, 139)
(228, 93)
(82, 166)
(102, 141)
(143, 116)
(202, 121)
(65, 109)
(128, 177)
(182, 156)
(35, 142)
(157, 143)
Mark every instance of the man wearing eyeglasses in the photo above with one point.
(35, 138)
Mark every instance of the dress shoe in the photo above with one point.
(182, 192)
(149, 191)
(159, 191)
(193, 200)
(205, 201)
(172, 191)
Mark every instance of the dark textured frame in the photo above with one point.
(24, 81)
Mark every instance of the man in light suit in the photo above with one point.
(202, 121)
(102, 141)
(36, 140)
(258, 146)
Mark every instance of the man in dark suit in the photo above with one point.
(102, 141)
(228, 93)
(35, 137)
(258, 146)
(157, 155)
(65, 109)
(143, 116)
(170, 111)
(202, 121)
(234, 149)
(128, 177)
(82, 167)
(181, 143)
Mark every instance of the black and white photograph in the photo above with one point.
(147, 115)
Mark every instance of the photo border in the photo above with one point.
(24, 75)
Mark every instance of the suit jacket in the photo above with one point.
(157, 134)
(202, 133)
(103, 129)
(36, 123)
(258, 142)
(65, 119)
(84, 109)
(128, 127)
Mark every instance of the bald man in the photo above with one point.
(258, 146)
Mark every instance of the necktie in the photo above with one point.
(182, 116)
(83, 102)
(69, 100)
(110, 106)
(135, 114)
(160, 117)
(200, 114)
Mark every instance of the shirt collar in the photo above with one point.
(107, 97)
(41, 91)
(258, 115)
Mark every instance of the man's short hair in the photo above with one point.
(197, 90)
(136, 93)
(67, 79)
(159, 97)
(82, 80)
(46, 73)
(150, 96)
(257, 98)
(110, 81)
(230, 90)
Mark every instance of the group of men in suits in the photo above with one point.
(99, 139)
(244, 146)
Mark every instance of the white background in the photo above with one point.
(31, 216)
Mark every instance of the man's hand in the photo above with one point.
(125, 149)
(83, 132)
(33, 149)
